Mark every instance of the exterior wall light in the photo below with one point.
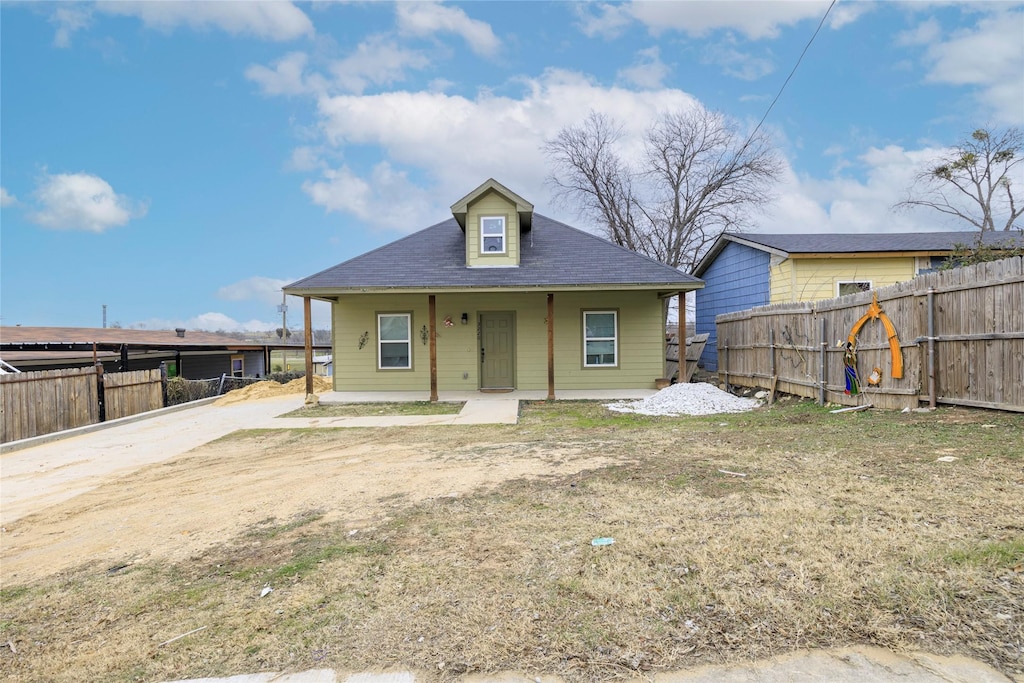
(465, 318)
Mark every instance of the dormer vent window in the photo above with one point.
(492, 233)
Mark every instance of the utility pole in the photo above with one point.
(283, 310)
(104, 316)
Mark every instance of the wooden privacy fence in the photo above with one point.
(36, 403)
(960, 334)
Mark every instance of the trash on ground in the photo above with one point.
(602, 541)
(947, 458)
(735, 474)
(851, 409)
(267, 590)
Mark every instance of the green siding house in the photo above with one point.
(497, 298)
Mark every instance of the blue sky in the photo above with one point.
(180, 162)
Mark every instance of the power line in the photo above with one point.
(795, 67)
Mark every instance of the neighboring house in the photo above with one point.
(742, 271)
(497, 298)
(190, 354)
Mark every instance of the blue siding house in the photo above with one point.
(737, 279)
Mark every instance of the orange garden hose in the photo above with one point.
(875, 311)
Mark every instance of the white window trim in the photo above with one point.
(840, 283)
(504, 236)
(614, 339)
(407, 340)
(238, 357)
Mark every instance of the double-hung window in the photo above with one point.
(394, 341)
(492, 234)
(600, 339)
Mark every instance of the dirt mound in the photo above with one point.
(270, 389)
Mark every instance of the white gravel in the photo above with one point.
(698, 398)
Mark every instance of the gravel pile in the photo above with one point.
(698, 398)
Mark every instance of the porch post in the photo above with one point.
(551, 346)
(681, 331)
(431, 306)
(308, 316)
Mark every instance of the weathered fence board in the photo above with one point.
(978, 321)
(35, 403)
(130, 393)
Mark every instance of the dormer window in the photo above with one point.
(492, 234)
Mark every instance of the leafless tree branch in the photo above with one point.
(697, 178)
(973, 181)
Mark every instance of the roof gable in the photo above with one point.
(523, 207)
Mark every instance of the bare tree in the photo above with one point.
(972, 182)
(697, 178)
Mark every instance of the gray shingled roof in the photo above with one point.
(849, 243)
(859, 242)
(552, 254)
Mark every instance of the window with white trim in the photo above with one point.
(852, 287)
(394, 341)
(600, 339)
(238, 366)
(492, 234)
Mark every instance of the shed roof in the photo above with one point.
(109, 336)
(552, 255)
(796, 244)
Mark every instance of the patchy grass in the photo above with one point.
(844, 530)
(372, 409)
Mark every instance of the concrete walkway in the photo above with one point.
(48, 470)
(847, 665)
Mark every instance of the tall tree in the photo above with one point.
(972, 181)
(696, 178)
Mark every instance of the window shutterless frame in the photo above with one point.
(600, 339)
(844, 287)
(394, 341)
(493, 237)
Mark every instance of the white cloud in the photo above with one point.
(264, 289)
(753, 18)
(860, 198)
(81, 201)
(69, 18)
(735, 63)
(387, 199)
(304, 159)
(926, 33)
(207, 322)
(287, 77)
(376, 61)
(428, 18)
(458, 142)
(989, 57)
(6, 198)
(648, 71)
(606, 20)
(267, 20)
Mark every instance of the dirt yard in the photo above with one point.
(467, 550)
(178, 509)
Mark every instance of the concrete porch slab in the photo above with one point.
(336, 397)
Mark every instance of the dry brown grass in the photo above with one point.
(844, 530)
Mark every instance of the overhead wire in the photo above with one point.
(790, 76)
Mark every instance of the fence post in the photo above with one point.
(771, 351)
(163, 382)
(932, 389)
(725, 362)
(220, 389)
(99, 392)
(821, 364)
